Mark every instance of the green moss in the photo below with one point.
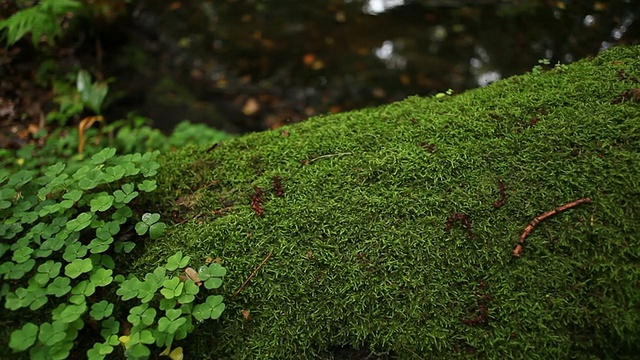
(360, 254)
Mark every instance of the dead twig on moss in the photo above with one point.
(252, 275)
(529, 228)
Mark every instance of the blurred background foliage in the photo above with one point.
(250, 65)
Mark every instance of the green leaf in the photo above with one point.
(125, 246)
(102, 202)
(137, 351)
(171, 321)
(77, 267)
(101, 277)
(80, 222)
(55, 169)
(91, 179)
(101, 310)
(142, 315)
(121, 215)
(110, 327)
(157, 230)
(17, 271)
(176, 261)
(23, 338)
(147, 186)
(114, 173)
(59, 286)
(150, 219)
(97, 246)
(73, 251)
(129, 288)
(149, 168)
(172, 288)
(211, 309)
(102, 156)
(84, 288)
(6, 194)
(141, 228)
(211, 274)
(22, 254)
(51, 334)
(50, 269)
(73, 195)
(190, 290)
(20, 178)
(72, 312)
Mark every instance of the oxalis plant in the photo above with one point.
(61, 232)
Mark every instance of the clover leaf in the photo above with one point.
(142, 314)
(52, 333)
(46, 271)
(125, 195)
(59, 286)
(73, 251)
(20, 178)
(99, 351)
(80, 222)
(23, 338)
(17, 271)
(171, 322)
(84, 288)
(137, 351)
(150, 223)
(101, 202)
(77, 267)
(101, 310)
(172, 288)
(114, 173)
(110, 327)
(72, 313)
(176, 261)
(73, 195)
(101, 277)
(147, 186)
(190, 290)
(22, 254)
(211, 309)
(129, 288)
(91, 179)
(102, 156)
(211, 275)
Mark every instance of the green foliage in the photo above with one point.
(61, 235)
(42, 20)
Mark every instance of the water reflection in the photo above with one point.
(247, 65)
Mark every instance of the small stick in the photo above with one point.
(534, 222)
(252, 275)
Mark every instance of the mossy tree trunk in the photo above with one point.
(392, 229)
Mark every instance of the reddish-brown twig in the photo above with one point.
(252, 275)
(534, 222)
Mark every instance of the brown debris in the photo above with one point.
(527, 230)
(633, 94)
(277, 186)
(256, 201)
(464, 220)
(428, 147)
(503, 195)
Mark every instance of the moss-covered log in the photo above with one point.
(392, 229)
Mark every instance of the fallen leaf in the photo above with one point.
(193, 275)
(245, 314)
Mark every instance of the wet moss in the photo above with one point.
(384, 233)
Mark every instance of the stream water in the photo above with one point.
(242, 65)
